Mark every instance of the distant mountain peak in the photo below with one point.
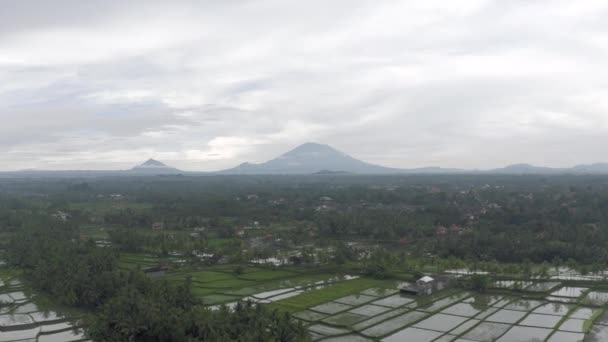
(312, 146)
(153, 165)
(313, 150)
(520, 166)
(310, 158)
(523, 168)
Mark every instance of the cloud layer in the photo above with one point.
(205, 85)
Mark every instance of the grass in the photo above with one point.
(327, 294)
(202, 276)
(231, 267)
(589, 323)
(301, 280)
(218, 243)
(94, 232)
(218, 299)
(227, 283)
(132, 261)
(221, 281)
(8, 273)
(202, 292)
(267, 275)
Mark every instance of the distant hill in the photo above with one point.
(591, 168)
(312, 158)
(528, 169)
(331, 173)
(152, 166)
(597, 168)
(437, 170)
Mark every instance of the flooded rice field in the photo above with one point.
(24, 318)
(510, 311)
(283, 289)
(463, 316)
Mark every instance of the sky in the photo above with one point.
(206, 85)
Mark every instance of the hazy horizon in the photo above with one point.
(205, 86)
(127, 167)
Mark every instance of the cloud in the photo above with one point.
(206, 85)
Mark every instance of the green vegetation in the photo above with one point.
(329, 293)
(162, 250)
(589, 322)
(129, 306)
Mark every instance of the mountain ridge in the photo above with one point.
(317, 159)
(309, 158)
(154, 166)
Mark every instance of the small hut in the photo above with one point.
(425, 285)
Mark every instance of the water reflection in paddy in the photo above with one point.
(413, 334)
(562, 336)
(506, 316)
(487, 331)
(370, 310)
(345, 319)
(598, 333)
(573, 325)
(538, 320)
(525, 334)
(596, 298)
(557, 309)
(441, 322)
(462, 309)
(394, 301)
(393, 324)
(568, 291)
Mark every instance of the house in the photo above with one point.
(116, 197)
(441, 231)
(323, 208)
(156, 271)
(456, 229)
(61, 215)
(423, 286)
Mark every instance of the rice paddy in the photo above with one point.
(346, 308)
(226, 284)
(456, 315)
(23, 318)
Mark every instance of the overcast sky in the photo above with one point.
(206, 85)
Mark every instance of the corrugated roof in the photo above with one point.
(426, 279)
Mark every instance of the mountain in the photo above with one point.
(597, 168)
(591, 168)
(437, 170)
(312, 158)
(152, 166)
(528, 169)
(331, 173)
